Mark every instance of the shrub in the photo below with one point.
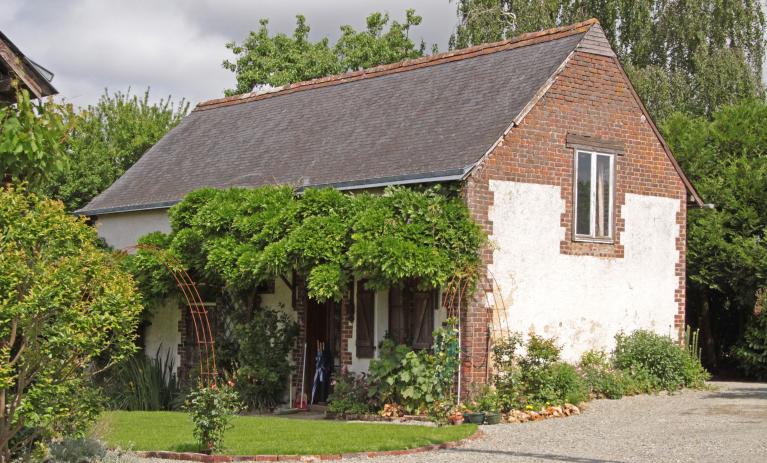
(566, 384)
(65, 304)
(538, 377)
(504, 352)
(655, 362)
(265, 342)
(350, 395)
(143, 383)
(384, 371)
(76, 451)
(416, 379)
(211, 409)
(751, 352)
(601, 379)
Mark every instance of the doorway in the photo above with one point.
(322, 334)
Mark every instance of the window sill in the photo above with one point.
(587, 239)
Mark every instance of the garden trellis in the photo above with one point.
(206, 345)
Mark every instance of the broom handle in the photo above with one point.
(303, 376)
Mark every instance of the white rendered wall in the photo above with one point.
(162, 335)
(124, 229)
(281, 299)
(582, 300)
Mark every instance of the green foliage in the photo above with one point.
(32, 139)
(150, 267)
(408, 234)
(350, 395)
(535, 378)
(751, 352)
(486, 400)
(691, 56)
(384, 371)
(566, 384)
(77, 451)
(238, 238)
(504, 353)
(601, 378)
(64, 302)
(658, 360)
(263, 60)
(108, 138)
(143, 383)
(726, 157)
(416, 379)
(265, 339)
(211, 409)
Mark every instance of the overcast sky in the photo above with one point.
(176, 46)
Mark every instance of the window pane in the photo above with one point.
(583, 195)
(602, 201)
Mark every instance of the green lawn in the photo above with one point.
(253, 435)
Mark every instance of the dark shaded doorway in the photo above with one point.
(322, 332)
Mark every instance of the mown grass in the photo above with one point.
(252, 435)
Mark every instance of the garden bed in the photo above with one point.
(255, 435)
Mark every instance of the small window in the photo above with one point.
(594, 186)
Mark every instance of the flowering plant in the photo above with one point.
(211, 408)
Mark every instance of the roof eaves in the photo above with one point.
(127, 208)
(426, 177)
(403, 66)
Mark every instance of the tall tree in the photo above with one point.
(726, 158)
(32, 139)
(108, 138)
(275, 60)
(65, 303)
(689, 55)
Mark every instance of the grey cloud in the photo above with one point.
(176, 47)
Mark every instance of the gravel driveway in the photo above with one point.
(725, 425)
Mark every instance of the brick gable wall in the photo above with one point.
(589, 97)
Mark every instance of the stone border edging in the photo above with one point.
(203, 458)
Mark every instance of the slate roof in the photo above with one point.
(424, 120)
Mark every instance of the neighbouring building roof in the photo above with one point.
(424, 120)
(15, 65)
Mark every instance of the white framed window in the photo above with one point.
(594, 196)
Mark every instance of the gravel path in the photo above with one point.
(728, 424)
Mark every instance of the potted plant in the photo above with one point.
(455, 416)
(472, 414)
(489, 404)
